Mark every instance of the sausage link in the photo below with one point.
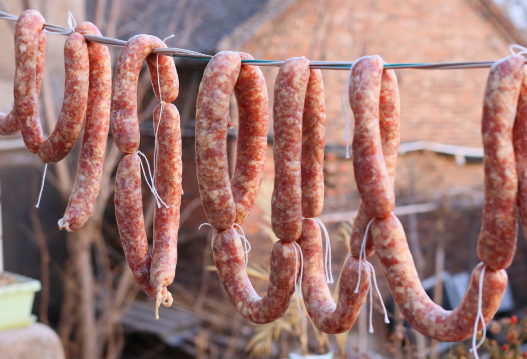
(289, 97)
(89, 171)
(69, 124)
(371, 175)
(168, 185)
(313, 139)
(389, 123)
(498, 236)
(212, 121)
(123, 114)
(168, 77)
(520, 150)
(421, 312)
(230, 263)
(253, 113)
(30, 45)
(327, 316)
(130, 221)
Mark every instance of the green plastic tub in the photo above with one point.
(17, 294)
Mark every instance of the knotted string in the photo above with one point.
(246, 244)
(298, 288)
(372, 277)
(344, 96)
(513, 48)
(327, 256)
(150, 184)
(42, 185)
(161, 109)
(479, 317)
(62, 31)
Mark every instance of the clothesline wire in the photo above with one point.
(325, 65)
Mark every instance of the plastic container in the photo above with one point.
(17, 294)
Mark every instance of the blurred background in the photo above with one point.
(88, 293)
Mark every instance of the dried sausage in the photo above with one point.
(30, 46)
(498, 236)
(371, 175)
(253, 121)
(91, 160)
(168, 77)
(212, 119)
(230, 263)
(520, 150)
(123, 114)
(313, 139)
(327, 316)
(289, 96)
(130, 221)
(168, 185)
(389, 123)
(421, 312)
(69, 124)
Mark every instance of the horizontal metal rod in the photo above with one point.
(324, 65)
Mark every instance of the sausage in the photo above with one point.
(123, 114)
(30, 45)
(389, 124)
(371, 175)
(71, 118)
(130, 221)
(212, 122)
(168, 185)
(89, 171)
(520, 150)
(421, 312)
(498, 235)
(168, 77)
(313, 139)
(289, 97)
(230, 262)
(253, 119)
(327, 316)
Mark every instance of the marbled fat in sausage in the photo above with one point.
(168, 77)
(520, 150)
(498, 236)
(313, 140)
(89, 171)
(253, 119)
(130, 221)
(71, 118)
(30, 46)
(123, 114)
(421, 312)
(230, 263)
(327, 316)
(289, 97)
(212, 122)
(389, 123)
(371, 174)
(168, 185)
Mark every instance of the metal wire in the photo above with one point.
(325, 65)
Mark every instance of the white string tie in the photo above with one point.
(71, 21)
(522, 50)
(479, 317)
(327, 256)
(344, 101)
(246, 244)
(150, 184)
(161, 109)
(372, 277)
(299, 286)
(363, 250)
(42, 185)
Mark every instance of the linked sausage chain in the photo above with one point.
(299, 115)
